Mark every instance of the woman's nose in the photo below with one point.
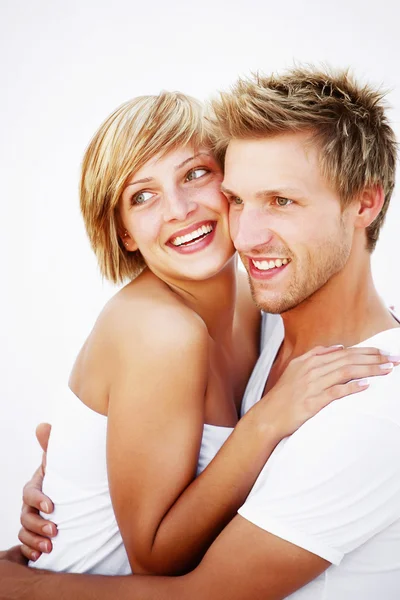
(177, 206)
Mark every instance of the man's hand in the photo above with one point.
(13, 555)
(36, 530)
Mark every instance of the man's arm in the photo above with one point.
(244, 562)
(14, 555)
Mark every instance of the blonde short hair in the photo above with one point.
(347, 121)
(134, 133)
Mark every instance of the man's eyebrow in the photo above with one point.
(266, 193)
(278, 192)
(182, 164)
(225, 190)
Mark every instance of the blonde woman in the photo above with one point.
(156, 390)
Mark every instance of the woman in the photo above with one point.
(155, 391)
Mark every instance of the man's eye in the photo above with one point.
(283, 201)
(141, 197)
(196, 174)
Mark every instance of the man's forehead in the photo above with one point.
(284, 160)
(301, 141)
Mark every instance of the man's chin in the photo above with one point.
(275, 307)
(274, 304)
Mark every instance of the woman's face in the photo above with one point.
(175, 215)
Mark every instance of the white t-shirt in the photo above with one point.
(333, 487)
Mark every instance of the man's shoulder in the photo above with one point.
(382, 398)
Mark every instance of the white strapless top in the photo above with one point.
(88, 539)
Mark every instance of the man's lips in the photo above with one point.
(267, 267)
(265, 264)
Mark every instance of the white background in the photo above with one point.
(65, 65)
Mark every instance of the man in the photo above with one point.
(309, 172)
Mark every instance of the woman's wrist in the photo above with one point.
(262, 427)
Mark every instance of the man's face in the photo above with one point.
(286, 221)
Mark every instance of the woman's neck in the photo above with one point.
(213, 299)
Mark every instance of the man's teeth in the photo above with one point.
(265, 265)
(189, 237)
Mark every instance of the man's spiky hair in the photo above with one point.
(347, 120)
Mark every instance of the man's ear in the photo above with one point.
(370, 203)
(128, 242)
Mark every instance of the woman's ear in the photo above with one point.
(128, 242)
(370, 204)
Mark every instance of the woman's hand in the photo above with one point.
(36, 531)
(313, 380)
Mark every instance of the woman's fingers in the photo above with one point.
(341, 390)
(320, 351)
(42, 434)
(29, 553)
(35, 523)
(34, 543)
(315, 359)
(342, 372)
(33, 495)
(346, 362)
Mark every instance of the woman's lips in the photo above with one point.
(192, 231)
(194, 238)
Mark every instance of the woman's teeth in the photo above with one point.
(194, 235)
(265, 265)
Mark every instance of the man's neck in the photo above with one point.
(347, 310)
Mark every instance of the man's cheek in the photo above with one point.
(233, 223)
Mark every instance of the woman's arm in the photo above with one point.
(155, 423)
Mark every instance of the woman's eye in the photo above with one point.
(141, 197)
(283, 201)
(196, 174)
(235, 200)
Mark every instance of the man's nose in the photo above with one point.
(249, 228)
(177, 205)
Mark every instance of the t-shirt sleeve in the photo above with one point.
(333, 484)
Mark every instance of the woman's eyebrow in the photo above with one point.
(145, 180)
(182, 164)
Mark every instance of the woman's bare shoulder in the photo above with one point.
(147, 309)
(145, 320)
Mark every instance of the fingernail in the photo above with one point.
(386, 366)
(337, 346)
(34, 556)
(48, 529)
(394, 358)
(363, 382)
(388, 353)
(44, 547)
(44, 507)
